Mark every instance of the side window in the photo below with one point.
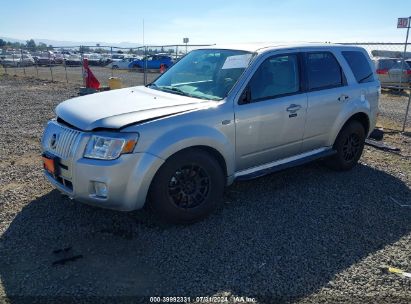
(359, 66)
(323, 71)
(276, 76)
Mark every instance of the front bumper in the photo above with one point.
(127, 178)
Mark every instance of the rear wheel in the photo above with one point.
(187, 187)
(349, 146)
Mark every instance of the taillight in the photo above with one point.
(382, 71)
(408, 72)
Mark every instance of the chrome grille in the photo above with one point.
(59, 140)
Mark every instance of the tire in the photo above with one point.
(187, 187)
(349, 146)
(115, 67)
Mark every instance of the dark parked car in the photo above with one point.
(72, 60)
(45, 61)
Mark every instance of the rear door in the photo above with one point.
(270, 125)
(327, 91)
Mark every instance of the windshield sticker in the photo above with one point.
(237, 62)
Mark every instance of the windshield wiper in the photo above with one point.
(173, 90)
(362, 79)
(176, 90)
(152, 85)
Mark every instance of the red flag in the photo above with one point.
(91, 80)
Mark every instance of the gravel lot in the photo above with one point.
(305, 235)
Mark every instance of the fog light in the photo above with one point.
(100, 189)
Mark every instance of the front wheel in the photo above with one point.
(349, 146)
(187, 187)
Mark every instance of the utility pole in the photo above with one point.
(185, 40)
(402, 23)
(143, 31)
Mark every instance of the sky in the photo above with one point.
(204, 22)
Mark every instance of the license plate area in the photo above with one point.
(51, 164)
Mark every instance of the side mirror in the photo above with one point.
(245, 96)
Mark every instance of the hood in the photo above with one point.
(118, 108)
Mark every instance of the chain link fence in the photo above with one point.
(135, 65)
(141, 65)
(65, 63)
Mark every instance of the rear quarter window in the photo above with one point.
(359, 66)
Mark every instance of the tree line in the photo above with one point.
(29, 45)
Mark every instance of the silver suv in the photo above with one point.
(218, 115)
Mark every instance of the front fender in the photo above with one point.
(352, 108)
(188, 136)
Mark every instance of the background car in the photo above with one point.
(58, 58)
(117, 57)
(45, 58)
(95, 59)
(122, 64)
(45, 61)
(389, 72)
(153, 62)
(72, 60)
(17, 60)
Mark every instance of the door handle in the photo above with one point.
(293, 108)
(343, 97)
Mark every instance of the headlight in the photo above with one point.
(110, 147)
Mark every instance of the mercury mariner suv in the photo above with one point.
(218, 115)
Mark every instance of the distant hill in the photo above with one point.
(60, 43)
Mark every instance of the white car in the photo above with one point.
(17, 60)
(121, 64)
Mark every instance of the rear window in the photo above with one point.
(387, 64)
(323, 71)
(359, 66)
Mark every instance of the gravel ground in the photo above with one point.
(305, 235)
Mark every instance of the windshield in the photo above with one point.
(206, 74)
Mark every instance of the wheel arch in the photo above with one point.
(209, 150)
(362, 117)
